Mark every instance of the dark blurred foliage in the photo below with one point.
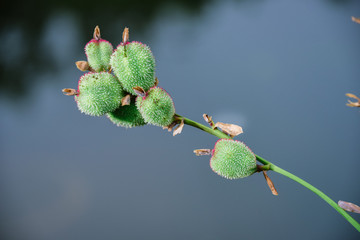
(30, 18)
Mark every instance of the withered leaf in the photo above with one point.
(230, 129)
(70, 92)
(350, 207)
(125, 100)
(270, 184)
(202, 152)
(179, 128)
(357, 20)
(156, 81)
(139, 91)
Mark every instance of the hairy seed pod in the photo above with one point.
(126, 116)
(98, 53)
(134, 65)
(156, 107)
(232, 159)
(98, 93)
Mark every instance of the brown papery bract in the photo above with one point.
(230, 129)
(96, 34)
(353, 104)
(125, 100)
(82, 65)
(202, 152)
(357, 20)
(348, 206)
(139, 91)
(179, 128)
(270, 184)
(70, 92)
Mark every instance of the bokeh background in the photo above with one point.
(279, 68)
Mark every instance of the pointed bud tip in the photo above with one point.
(97, 35)
(125, 35)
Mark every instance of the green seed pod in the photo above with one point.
(127, 116)
(98, 53)
(134, 65)
(232, 159)
(98, 93)
(156, 107)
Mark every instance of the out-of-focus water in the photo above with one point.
(280, 69)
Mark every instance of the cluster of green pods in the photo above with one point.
(108, 86)
(121, 84)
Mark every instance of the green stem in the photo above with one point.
(215, 132)
(319, 193)
(275, 168)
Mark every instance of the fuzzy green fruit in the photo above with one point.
(156, 107)
(134, 65)
(127, 116)
(98, 53)
(98, 93)
(232, 159)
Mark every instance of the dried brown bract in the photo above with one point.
(202, 152)
(125, 100)
(125, 35)
(230, 129)
(70, 92)
(357, 20)
(179, 128)
(97, 35)
(353, 104)
(171, 126)
(270, 184)
(350, 207)
(82, 65)
(139, 91)
(208, 119)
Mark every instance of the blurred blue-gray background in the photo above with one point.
(279, 68)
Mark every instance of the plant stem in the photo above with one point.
(215, 132)
(319, 193)
(277, 169)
